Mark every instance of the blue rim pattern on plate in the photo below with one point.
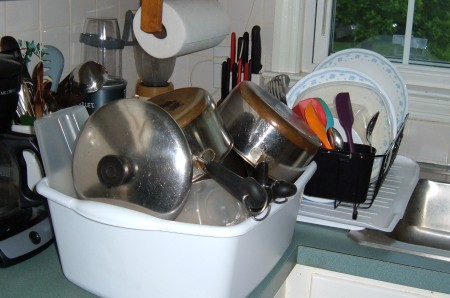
(386, 75)
(331, 76)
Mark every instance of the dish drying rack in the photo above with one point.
(346, 177)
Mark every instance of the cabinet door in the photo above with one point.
(312, 282)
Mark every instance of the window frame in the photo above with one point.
(428, 87)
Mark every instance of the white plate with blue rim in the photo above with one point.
(380, 69)
(365, 94)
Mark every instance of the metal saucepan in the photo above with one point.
(196, 114)
(264, 129)
(133, 154)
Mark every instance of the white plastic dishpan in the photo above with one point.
(117, 252)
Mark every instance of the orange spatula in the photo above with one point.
(300, 107)
(317, 126)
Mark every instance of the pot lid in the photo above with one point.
(133, 154)
(183, 104)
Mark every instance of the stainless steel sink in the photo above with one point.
(425, 227)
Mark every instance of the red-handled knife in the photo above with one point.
(233, 48)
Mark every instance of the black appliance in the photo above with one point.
(25, 227)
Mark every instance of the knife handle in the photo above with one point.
(233, 48)
(245, 46)
(256, 49)
(234, 74)
(239, 48)
(225, 82)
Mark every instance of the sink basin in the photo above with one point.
(427, 217)
(425, 227)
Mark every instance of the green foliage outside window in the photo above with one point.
(373, 25)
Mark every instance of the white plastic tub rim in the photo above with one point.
(126, 218)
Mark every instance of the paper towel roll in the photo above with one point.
(191, 25)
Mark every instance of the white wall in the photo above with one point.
(60, 22)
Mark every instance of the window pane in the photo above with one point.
(430, 43)
(380, 26)
(374, 25)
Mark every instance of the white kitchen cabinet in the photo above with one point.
(310, 282)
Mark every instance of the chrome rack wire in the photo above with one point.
(387, 160)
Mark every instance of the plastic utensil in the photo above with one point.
(328, 114)
(317, 126)
(299, 109)
(345, 113)
(53, 61)
(56, 134)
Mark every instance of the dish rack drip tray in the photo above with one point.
(385, 212)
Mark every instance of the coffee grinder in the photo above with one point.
(101, 43)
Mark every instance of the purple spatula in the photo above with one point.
(345, 114)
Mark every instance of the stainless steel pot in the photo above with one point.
(195, 112)
(264, 129)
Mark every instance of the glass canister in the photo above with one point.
(101, 42)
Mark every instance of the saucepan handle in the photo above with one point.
(246, 190)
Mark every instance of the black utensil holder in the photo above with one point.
(341, 175)
(346, 178)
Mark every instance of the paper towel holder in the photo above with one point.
(151, 17)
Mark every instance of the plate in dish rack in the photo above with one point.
(366, 95)
(380, 69)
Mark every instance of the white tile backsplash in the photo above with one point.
(80, 10)
(23, 15)
(2, 14)
(55, 13)
(426, 141)
(108, 8)
(60, 22)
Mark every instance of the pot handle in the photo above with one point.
(246, 190)
(278, 189)
(18, 143)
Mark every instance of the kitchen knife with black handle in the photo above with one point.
(225, 80)
(256, 50)
(234, 75)
(245, 47)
